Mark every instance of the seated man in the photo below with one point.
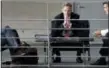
(10, 38)
(67, 32)
(104, 51)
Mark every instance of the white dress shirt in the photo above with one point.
(104, 32)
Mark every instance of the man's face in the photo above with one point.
(67, 10)
(106, 8)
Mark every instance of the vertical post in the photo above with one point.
(49, 54)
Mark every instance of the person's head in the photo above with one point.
(106, 7)
(67, 9)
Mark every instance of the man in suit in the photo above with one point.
(62, 21)
(6, 38)
(103, 51)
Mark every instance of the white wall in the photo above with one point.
(24, 14)
(54, 0)
(95, 14)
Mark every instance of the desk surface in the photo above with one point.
(46, 38)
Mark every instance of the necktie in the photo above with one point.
(67, 26)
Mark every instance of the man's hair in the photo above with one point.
(106, 2)
(67, 4)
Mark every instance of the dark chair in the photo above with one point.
(85, 33)
(75, 46)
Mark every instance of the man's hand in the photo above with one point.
(97, 33)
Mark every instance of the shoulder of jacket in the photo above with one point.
(75, 14)
(58, 16)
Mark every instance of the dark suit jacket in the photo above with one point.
(59, 22)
